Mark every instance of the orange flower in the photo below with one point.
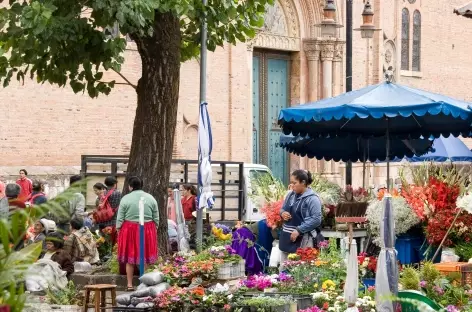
(199, 291)
(382, 192)
(326, 306)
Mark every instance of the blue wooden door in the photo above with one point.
(270, 95)
(277, 74)
(256, 124)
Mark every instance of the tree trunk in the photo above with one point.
(156, 113)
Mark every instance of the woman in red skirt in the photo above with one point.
(127, 225)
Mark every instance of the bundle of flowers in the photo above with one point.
(171, 299)
(221, 232)
(225, 253)
(218, 296)
(367, 265)
(381, 194)
(304, 254)
(404, 216)
(329, 192)
(272, 213)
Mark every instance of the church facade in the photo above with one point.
(289, 62)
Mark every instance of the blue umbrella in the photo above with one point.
(444, 149)
(367, 112)
(353, 148)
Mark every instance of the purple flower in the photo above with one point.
(451, 308)
(225, 228)
(423, 284)
(324, 244)
(284, 277)
(438, 290)
(230, 250)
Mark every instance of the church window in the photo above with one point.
(416, 41)
(405, 55)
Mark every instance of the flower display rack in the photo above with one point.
(462, 267)
(231, 270)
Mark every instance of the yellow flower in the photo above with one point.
(225, 236)
(328, 284)
(320, 263)
(315, 286)
(292, 256)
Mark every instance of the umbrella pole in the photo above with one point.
(203, 71)
(388, 155)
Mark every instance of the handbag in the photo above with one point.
(104, 211)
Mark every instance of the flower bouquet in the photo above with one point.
(367, 265)
(104, 241)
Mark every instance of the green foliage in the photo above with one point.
(410, 278)
(63, 42)
(463, 250)
(68, 296)
(14, 263)
(429, 273)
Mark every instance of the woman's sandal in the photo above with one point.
(130, 288)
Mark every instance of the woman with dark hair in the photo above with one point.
(99, 189)
(127, 223)
(54, 245)
(301, 213)
(189, 203)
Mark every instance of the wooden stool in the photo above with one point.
(100, 296)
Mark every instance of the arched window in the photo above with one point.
(416, 62)
(405, 56)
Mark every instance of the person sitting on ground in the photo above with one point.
(37, 197)
(80, 244)
(12, 191)
(39, 234)
(54, 245)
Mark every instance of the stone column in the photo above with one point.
(312, 52)
(337, 90)
(327, 55)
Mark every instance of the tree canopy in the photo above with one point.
(69, 41)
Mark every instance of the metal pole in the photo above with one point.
(141, 236)
(388, 156)
(348, 71)
(203, 68)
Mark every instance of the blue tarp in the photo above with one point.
(352, 148)
(411, 113)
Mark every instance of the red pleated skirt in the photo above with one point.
(128, 243)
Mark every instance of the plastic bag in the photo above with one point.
(152, 278)
(124, 299)
(82, 267)
(155, 290)
(275, 255)
(448, 255)
(140, 293)
(145, 305)
(135, 301)
(141, 286)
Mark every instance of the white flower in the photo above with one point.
(220, 288)
(465, 202)
(205, 298)
(331, 309)
(230, 296)
(367, 298)
(404, 216)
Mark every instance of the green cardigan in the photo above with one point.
(129, 208)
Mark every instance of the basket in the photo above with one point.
(231, 270)
(462, 267)
(413, 295)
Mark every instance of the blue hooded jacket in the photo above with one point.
(310, 210)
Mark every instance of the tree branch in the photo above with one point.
(118, 83)
(125, 79)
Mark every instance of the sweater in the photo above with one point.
(129, 208)
(26, 186)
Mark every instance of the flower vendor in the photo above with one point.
(301, 213)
